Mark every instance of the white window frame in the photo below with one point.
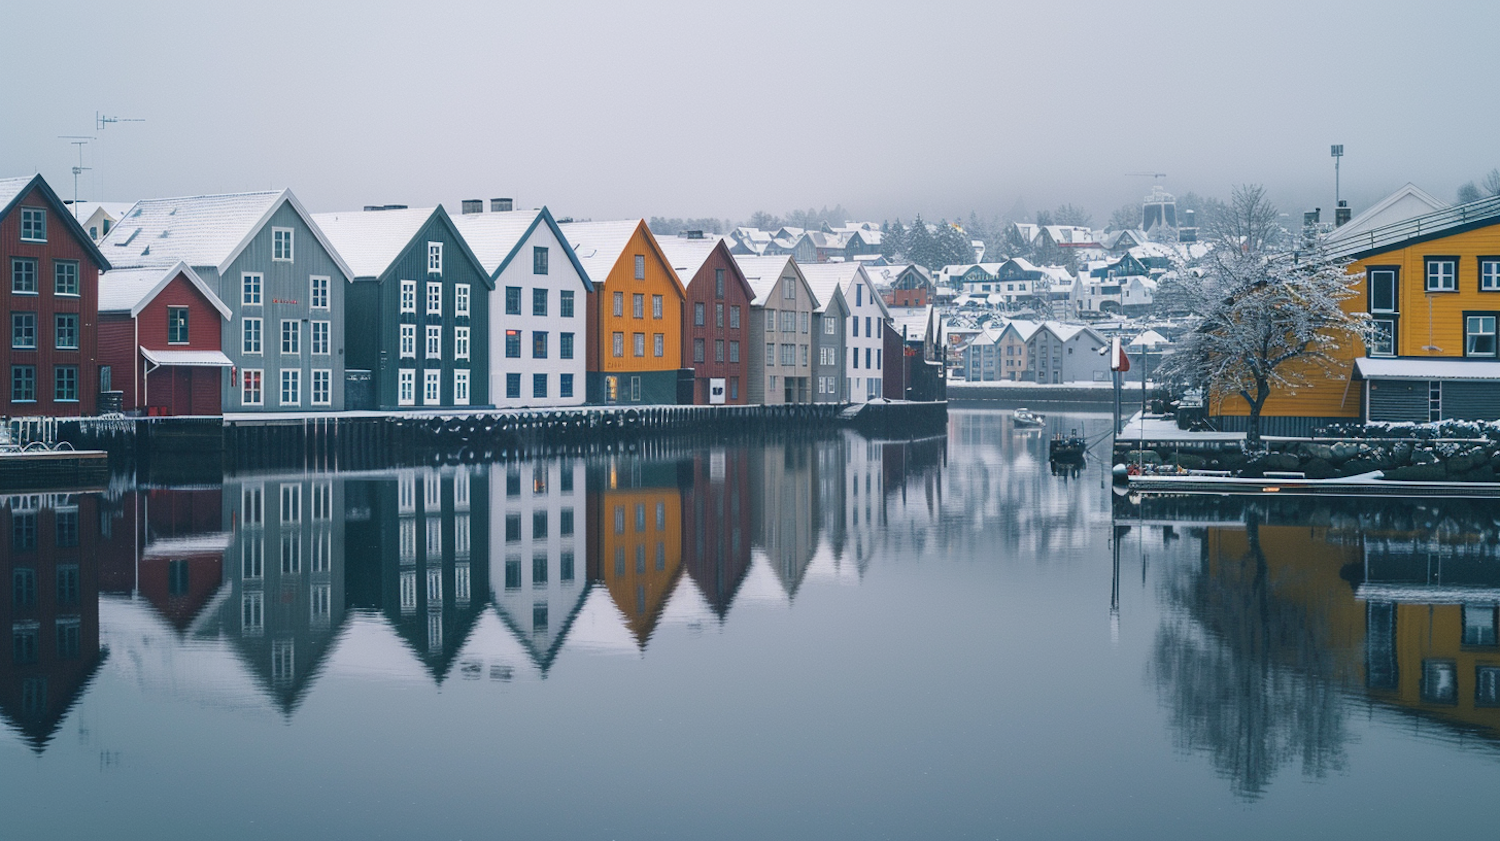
(318, 292)
(321, 338)
(282, 250)
(434, 297)
(293, 339)
(1376, 350)
(433, 341)
(408, 341)
(33, 222)
(406, 387)
(434, 258)
(460, 388)
(460, 342)
(1489, 274)
(260, 335)
(1446, 281)
(252, 289)
(408, 296)
(259, 375)
(1470, 334)
(326, 374)
(432, 386)
(461, 299)
(292, 377)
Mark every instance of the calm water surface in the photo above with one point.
(835, 638)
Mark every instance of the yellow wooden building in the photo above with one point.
(635, 315)
(1432, 286)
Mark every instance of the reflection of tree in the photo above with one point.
(1249, 676)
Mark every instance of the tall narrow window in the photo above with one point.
(565, 345)
(409, 296)
(718, 283)
(658, 344)
(1489, 274)
(619, 304)
(512, 300)
(638, 305)
(461, 387)
(539, 302)
(656, 306)
(512, 344)
(434, 298)
(408, 341)
(23, 276)
(734, 317)
(697, 315)
(23, 330)
(322, 387)
(434, 341)
(318, 292)
(291, 387)
(65, 278)
(432, 385)
(321, 342)
(539, 344)
(461, 299)
(640, 267)
(291, 336)
(281, 245)
(177, 326)
(460, 343)
(406, 389)
(539, 260)
(434, 258)
(250, 288)
(639, 341)
(66, 329)
(65, 383)
(250, 389)
(565, 303)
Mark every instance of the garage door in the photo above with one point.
(1398, 400)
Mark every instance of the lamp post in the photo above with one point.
(1337, 152)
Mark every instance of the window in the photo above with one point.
(802, 354)
(564, 385)
(697, 315)
(434, 298)
(291, 387)
(513, 386)
(408, 341)
(512, 300)
(565, 303)
(659, 344)
(859, 294)
(461, 387)
(539, 302)
(65, 383)
(250, 387)
(67, 576)
(719, 315)
(869, 331)
(512, 344)
(322, 387)
(23, 330)
(539, 385)
(461, 299)
(406, 389)
(877, 358)
(1479, 624)
(734, 351)
(291, 336)
(1479, 335)
(734, 317)
(656, 306)
(432, 386)
(770, 353)
(854, 327)
(66, 337)
(434, 258)
(718, 283)
(434, 341)
(719, 350)
(321, 331)
(34, 224)
(1442, 274)
(409, 296)
(619, 344)
(640, 267)
(734, 391)
(619, 305)
(65, 278)
(789, 289)
(635, 388)
(829, 329)
(788, 354)
(565, 345)
(638, 342)
(697, 350)
(539, 260)
(460, 343)
(23, 276)
(539, 344)
(318, 292)
(788, 321)
(638, 305)
(281, 245)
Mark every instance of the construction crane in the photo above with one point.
(1148, 174)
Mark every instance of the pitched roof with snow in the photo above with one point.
(686, 255)
(83, 210)
(763, 273)
(1408, 202)
(600, 245)
(371, 240)
(11, 190)
(130, 290)
(497, 236)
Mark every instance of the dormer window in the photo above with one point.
(434, 258)
(281, 245)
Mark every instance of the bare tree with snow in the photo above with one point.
(1250, 223)
(1269, 322)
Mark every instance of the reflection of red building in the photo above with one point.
(50, 614)
(716, 525)
(182, 563)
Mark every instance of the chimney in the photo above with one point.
(501, 205)
(373, 207)
(473, 206)
(1312, 217)
(1342, 214)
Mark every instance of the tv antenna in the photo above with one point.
(80, 141)
(1337, 152)
(102, 121)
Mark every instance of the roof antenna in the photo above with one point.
(80, 141)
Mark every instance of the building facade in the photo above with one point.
(716, 329)
(781, 331)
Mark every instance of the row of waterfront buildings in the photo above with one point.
(247, 302)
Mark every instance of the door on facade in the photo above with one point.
(611, 389)
(182, 391)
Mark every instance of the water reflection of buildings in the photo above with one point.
(48, 543)
(717, 524)
(537, 580)
(635, 537)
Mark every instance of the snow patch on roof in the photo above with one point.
(371, 240)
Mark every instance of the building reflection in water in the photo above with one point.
(635, 536)
(717, 524)
(1293, 605)
(537, 575)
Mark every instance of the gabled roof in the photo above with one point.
(11, 191)
(763, 273)
(1408, 202)
(372, 243)
(844, 274)
(83, 210)
(202, 230)
(1022, 328)
(687, 256)
(130, 290)
(498, 236)
(601, 245)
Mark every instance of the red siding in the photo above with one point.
(737, 293)
(175, 391)
(61, 244)
(117, 350)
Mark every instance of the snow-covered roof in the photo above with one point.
(845, 274)
(1406, 203)
(12, 187)
(1372, 368)
(686, 255)
(599, 245)
(187, 358)
(130, 290)
(84, 210)
(1150, 338)
(371, 240)
(11, 190)
(915, 320)
(763, 273)
(201, 230)
(1065, 332)
(1021, 327)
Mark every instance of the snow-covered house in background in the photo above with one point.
(538, 312)
(865, 336)
(1406, 203)
(99, 217)
(1065, 353)
(1013, 347)
(284, 282)
(782, 336)
(976, 280)
(981, 355)
(1137, 295)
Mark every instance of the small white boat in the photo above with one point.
(1026, 419)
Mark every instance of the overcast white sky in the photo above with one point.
(673, 108)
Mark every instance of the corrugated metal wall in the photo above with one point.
(1398, 400)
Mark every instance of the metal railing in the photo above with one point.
(1427, 224)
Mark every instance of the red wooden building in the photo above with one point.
(159, 341)
(50, 303)
(716, 341)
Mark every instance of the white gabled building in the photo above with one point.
(538, 310)
(864, 360)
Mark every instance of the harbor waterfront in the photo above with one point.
(802, 634)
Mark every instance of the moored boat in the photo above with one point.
(1024, 418)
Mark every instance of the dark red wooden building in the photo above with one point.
(50, 303)
(716, 341)
(159, 341)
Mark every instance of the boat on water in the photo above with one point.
(1070, 447)
(1024, 418)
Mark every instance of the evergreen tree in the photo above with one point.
(1070, 214)
(920, 245)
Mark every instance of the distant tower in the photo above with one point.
(1160, 209)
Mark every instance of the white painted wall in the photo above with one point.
(561, 275)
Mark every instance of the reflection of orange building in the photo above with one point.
(716, 524)
(635, 539)
(50, 610)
